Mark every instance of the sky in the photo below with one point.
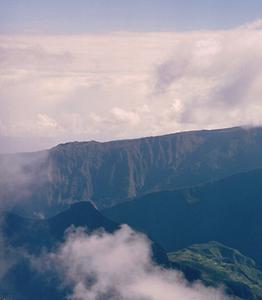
(66, 16)
(105, 70)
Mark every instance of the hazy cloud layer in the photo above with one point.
(121, 85)
(119, 266)
(20, 176)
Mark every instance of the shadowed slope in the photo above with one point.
(228, 211)
(25, 238)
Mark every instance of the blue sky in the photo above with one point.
(67, 16)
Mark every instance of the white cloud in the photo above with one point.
(46, 121)
(257, 24)
(122, 115)
(119, 266)
(97, 86)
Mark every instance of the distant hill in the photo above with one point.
(20, 235)
(109, 173)
(35, 234)
(227, 211)
(216, 264)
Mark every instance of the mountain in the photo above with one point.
(46, 182)
(227, 211)
(25, 238)
(34, 234)
(216, 264)
(22, 239)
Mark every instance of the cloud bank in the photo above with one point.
(122, 85)
(119, 266)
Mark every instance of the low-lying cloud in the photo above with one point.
(119, 266)
(122, 85)
(20, 176)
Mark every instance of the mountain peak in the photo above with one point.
(82, 205)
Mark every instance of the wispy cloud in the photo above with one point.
(20, 176)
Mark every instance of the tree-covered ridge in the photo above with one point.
(216, 264)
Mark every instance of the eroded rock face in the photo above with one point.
(112, 172)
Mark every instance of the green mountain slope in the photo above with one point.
(25, 237)
(228, 211)
(216, 264)
(112, 172)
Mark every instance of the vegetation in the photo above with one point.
(180, 189)
(216, 264)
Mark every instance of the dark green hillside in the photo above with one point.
(35, 234)
(21, 237)
(216, 264)
(228, 211)
(113, 172)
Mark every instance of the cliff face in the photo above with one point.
(112, 172)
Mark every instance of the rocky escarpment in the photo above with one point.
(112, 172)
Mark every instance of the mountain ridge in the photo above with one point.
(214, 264)
(227, 210)
(29, 239)
(113, 172)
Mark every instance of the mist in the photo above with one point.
(119, 266)
(20, 176)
